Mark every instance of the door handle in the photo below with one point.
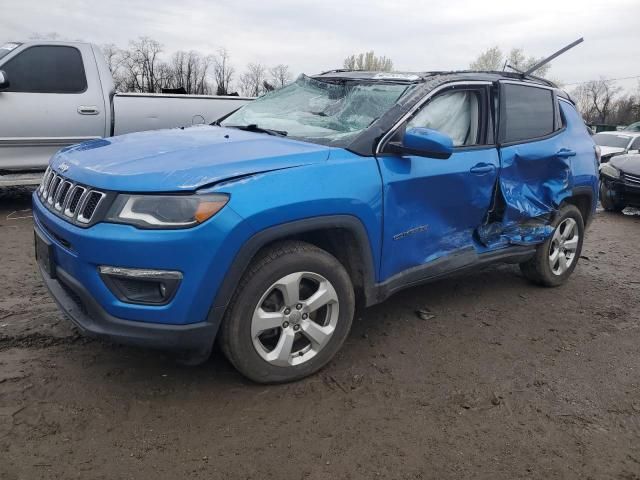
(482, 168)
(565, 153)
(88, 110)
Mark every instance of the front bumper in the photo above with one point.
(80, 307)
(189, 321)
(622, 191)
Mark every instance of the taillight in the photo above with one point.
(598, 152)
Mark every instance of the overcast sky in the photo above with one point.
(315, 36)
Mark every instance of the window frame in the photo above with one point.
(49, 92)
(485, 122)
(558, 125)
(482, 114)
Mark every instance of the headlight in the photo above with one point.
(609, 170)
(165, 211)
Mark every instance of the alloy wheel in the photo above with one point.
(295, 319)
(564, 244)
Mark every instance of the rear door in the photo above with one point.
(535, 156)
(54, 100)
(432, 207)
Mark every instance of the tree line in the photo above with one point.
(141, 67)
(599, 101)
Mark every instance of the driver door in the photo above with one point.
(432, 207)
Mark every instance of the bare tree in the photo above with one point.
(280, 75)
(222, 72)
(45, 36)
(596, 100)
(114, 57)
(140, 64)
(189, 70)
(368, 61)
(493, 59)
(252, 81)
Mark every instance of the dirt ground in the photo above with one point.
(498, 379)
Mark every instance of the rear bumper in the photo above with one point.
(80, 307)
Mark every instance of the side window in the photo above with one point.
(636, 144)
(526, 113)
(47, 69)
(456, 114)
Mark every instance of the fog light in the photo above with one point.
(141, 286)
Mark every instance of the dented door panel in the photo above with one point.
(433, 207)
(536, 176)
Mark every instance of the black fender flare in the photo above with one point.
(249, 249)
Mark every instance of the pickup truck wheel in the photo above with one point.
(290, 314)
(556, 258)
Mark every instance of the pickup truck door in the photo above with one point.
(432, 207)
(54, 100)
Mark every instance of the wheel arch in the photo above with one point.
(343, 236)
(583, 199)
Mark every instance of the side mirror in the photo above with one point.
(423, 142)
(4, 80)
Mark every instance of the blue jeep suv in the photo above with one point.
(266, 229)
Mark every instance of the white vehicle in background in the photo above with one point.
(617, 143)
(55, 94)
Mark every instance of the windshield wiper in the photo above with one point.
(255, 128)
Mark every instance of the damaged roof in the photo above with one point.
(419, 77)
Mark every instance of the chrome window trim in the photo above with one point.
(417, 106)
(525, 83)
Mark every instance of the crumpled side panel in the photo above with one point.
(532, 184)
(497, 235)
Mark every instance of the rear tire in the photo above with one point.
(607, 202)
(556, 258)
(290, 314)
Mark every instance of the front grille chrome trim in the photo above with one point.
(68, 211)
(631, 179)
(76, 203)
(81, 218)
(61, 195)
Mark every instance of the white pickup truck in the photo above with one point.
(54, 94)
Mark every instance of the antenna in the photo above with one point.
(551, 57)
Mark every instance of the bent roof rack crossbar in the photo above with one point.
(544, 61)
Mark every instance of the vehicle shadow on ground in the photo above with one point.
(453, 302)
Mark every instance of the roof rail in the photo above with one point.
(340, 70)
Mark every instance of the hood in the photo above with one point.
(610, 150)
(627, 163)
(180, 159)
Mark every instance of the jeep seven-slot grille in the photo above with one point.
(77, 203)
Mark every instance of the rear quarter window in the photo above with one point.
(526, 113)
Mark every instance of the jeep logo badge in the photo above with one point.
(63, 167)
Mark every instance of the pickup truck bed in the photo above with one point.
(56, 94)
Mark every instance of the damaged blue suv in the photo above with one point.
(266, 230)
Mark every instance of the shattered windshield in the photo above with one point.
(319, 111)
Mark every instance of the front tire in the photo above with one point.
(556, 258)
(290, 314)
